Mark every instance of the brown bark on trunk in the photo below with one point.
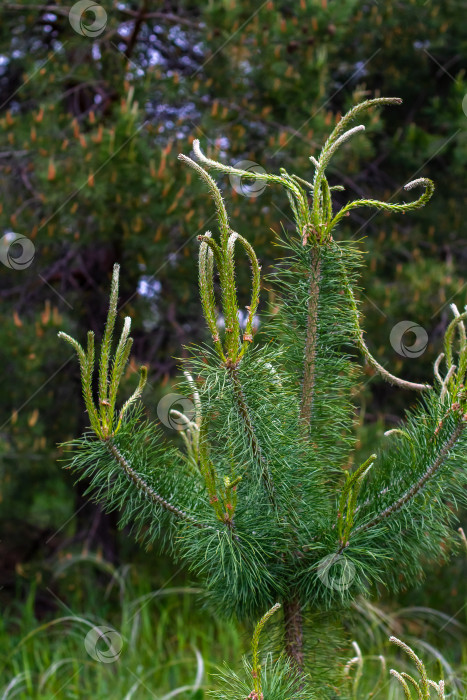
(293, 623)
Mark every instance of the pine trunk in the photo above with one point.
(293, 624)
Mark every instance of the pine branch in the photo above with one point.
(256, 282)
(86, 362)
(387, 206)
(102, 420)
(256, 671)
(416, 488)
(206, 285)
(347, 118)
(104, 404)
(223, 255)
(103, 425)
(240, 399)
(285, 181)
(146, 489)
(321, 216)
(387, 376)
(311, 340)
(216, 194)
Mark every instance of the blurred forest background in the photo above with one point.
(90, 129)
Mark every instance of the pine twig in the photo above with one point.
(309, 367)
(256, 670)
(146, 489)
(387, 376)
(412, 492)
(242, 406)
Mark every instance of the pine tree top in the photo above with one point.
(262, 494)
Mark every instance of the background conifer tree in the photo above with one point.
(265, 498)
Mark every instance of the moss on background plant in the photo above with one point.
(265, 502)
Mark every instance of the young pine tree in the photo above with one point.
(264, 499)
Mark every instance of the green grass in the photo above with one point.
(438, 638)
(171, 643)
